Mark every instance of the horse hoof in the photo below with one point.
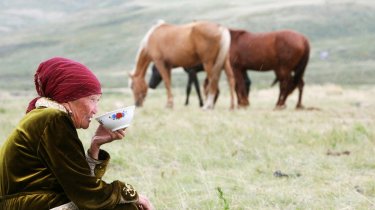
(300, 107)
(169, 106)
(208, 107)
(280, 107)
(243, 106)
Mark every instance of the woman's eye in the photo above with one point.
(94, 99)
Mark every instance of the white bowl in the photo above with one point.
(117, 119)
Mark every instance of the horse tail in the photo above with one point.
(224, 48)
(301, 66)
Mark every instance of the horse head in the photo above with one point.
(139, 88)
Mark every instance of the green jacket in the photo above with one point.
(43, 165)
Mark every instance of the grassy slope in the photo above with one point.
(106, 37)
(179, 158)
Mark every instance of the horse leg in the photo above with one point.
(165, 73)
(211, 83)
(194, 78)
(285, 80)
(205, 87)
(232, 83)
(240, 87)
(300, 90)
(292, 86)
(205, 90)
(299, 72)
(247, 82)
(212, 86)
(188, 87)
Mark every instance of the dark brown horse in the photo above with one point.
(285, 52)
(187, 45)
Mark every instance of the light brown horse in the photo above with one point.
(285, 52)
(169, 46)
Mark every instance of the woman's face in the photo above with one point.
(83, 110)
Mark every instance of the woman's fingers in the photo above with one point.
(119, 134)
(144, 203)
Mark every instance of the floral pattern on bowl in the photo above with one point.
(118, 115)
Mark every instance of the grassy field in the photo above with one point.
(182, 157)
(187, 158)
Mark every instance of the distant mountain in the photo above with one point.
(20, 14)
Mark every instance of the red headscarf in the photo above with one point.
(63, 80)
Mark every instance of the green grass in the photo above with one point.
(181, 157)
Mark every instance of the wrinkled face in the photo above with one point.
(139, 87)
(83, 110)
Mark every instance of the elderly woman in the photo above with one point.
(43, 164)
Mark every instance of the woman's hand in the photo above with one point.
(143, 203)
(103, 136)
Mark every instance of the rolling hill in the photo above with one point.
(105, 35)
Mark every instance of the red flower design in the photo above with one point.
(119, 115)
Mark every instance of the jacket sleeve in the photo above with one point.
(63, 153)
(98, 167)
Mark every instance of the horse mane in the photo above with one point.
(144, 41)
(143, 45)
